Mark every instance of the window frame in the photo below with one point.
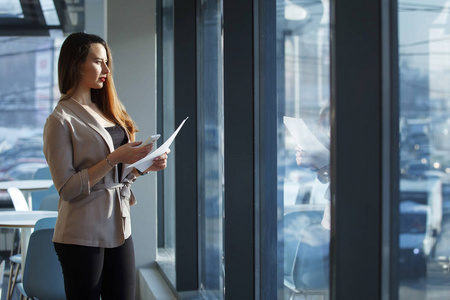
(160, 117)
(33, 22)
(186, 169)
(363, 208)
(239, 165)
(185, 94)
(265, 166)
(363, 92)
(390, 151)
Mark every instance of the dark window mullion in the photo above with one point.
(266, 152)
(160, 117)
(239, 149)
(356, 150)
(32, 12)
(186, 259)
(391, 170)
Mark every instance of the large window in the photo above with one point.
(210, 148)
(30, 40)
(424, 68)
(29, 92)
(31, 34)
(242, 250)
(303, 87)
(166, 224)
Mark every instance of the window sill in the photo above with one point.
(152, 286)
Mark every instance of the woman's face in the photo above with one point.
(95, 69)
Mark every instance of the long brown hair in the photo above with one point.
(74, 52)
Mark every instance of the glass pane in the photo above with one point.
(210, 148)
(11, 9)
(424, 73)
(303, 87)
(166, 254)
(49, 11)
(29, 92)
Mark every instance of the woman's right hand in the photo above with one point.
(299, 155)
(303, 159)
(129, 153)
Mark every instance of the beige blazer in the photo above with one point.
(99, 215)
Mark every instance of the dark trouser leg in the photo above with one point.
(119, 275)
(90, 272)
(82, 268)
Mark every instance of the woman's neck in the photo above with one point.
(91, 108)
(82, 96)
(82, 100)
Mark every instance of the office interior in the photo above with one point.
(314, 163)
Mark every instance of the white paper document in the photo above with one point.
(306, 140)
(147, 161)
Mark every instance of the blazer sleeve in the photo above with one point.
(58, 150)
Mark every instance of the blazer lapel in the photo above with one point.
(84, 115)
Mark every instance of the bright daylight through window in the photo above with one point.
(303, 87)
(424, 68)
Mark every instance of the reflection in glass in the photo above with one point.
(210, 147)
(424, 74)
(303, 88)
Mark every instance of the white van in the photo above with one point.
(420, 223)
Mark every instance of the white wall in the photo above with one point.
(95, 17)
(131, 35)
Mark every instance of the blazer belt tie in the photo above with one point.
(124, 190)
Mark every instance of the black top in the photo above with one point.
(119, 138)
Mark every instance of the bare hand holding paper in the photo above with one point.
(307, 141)
(147, 161)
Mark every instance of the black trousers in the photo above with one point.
(91, 272)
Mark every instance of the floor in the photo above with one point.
(7, 236)
(5, 288)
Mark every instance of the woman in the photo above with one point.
(320, 162)
(88, 143)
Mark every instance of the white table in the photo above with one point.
(24, 220)
(27, 186)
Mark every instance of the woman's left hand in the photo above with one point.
(159, 163)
